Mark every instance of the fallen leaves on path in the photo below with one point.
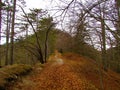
(57, 76)
(60, 78)
(67, 72)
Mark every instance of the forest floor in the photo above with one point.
(68, 72)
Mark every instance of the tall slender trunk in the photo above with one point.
(103, 34)
(7, 36)
(46, 45)
(26, 28)
(103, 45)
(46, 41)
(118, 33)
(12, 34)
(0, 30)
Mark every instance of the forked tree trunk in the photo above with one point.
(36, 36)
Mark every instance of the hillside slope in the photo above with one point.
(68, 72)
(89, 70)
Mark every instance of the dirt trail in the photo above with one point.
(56, 75)
(65, 72)
(57, 59)
(59, 76)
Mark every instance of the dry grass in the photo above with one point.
(11, 73)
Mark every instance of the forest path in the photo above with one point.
(65, 72)
(57, 74)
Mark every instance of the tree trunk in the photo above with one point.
(46, 42)
(7, 36)
(0, 29)
(103, 34)
(12, 34)
(26, 28)
(118, 33)
(103, 45)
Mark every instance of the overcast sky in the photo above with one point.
(43, 4)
